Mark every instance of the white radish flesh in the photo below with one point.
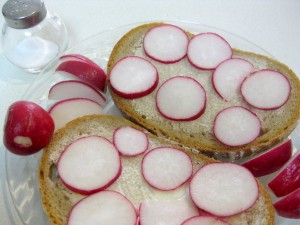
(172, 212)
(75, 89)
(181, 98)
(229, 75)
(207, 50)
(89, 164)
(223, 189)
(106, 207)
(133, 77)
(166, 168)
(236, 126)
(204, 220)
(266, 89)
(166, 43)
(64, 111)
(130, 141)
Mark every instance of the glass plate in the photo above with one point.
(22, 171)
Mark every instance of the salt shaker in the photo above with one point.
(32, 36)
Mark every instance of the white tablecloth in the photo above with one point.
(271, 24)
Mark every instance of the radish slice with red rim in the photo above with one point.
(130, 141)
(204, 220)
(89, 164)
(207, 50)
(229, 75)
(166, 168)
(105, 207)
(224, 189)
(266, 89)
(133, 77)
(236, 126)
(181, 98)
(78, 57)
(166, 43)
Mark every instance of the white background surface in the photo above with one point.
(271, 24)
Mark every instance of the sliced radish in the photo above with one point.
(78, 57)
(204, 220)
(89, 164)
(229, 75)
(235, 126)
(288, 179)
(271, 160)
(130, 141)
(289, 206)
(85, 70)
(133, 77)
(166, 43)
(105, 207)
(166, 168)
(64, 111)
(266, 89)
(181, 98)
(172, 212)
(223, 189)
(207, 50)
(75, 89)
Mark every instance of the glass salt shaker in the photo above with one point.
(32, 36)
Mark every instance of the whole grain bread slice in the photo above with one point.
(276, 124)
(57, 200)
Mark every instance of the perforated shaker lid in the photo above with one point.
(21, 14)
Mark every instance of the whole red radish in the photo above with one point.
(28, 128)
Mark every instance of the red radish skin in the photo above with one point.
(105, 207)
(289, 206)
(133, 77)
(204, 220)
(288, 179)
(27, 128)
(77, 57)
(181, 99)
(223, 189)
(64, 111)
(228, 76)
(130, 141)
(75, 89)
(270, 161)
(89, 164)
(207, 50)
(266, 89)
(166, 43)
(166, 168)
(244, 126)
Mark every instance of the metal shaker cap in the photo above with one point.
(21, 14)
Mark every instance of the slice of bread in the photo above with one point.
(57, 200)
(276, 124)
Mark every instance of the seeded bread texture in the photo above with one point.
(276, 124)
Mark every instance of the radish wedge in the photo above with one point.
(166, 43)
(130, 141)
(64, 111)
(289, 206)
(89, 164)
(204, 220)
(266, 89)
(85, 70)
(166, 168)
(105, 207)
(229, 75)
(181, 99)
(214, 181)
(288, 179)
(78, 57)
(271, 160)
(236, 126)
(172, 212)
(133, 77)
(207, 50)
(75, 89)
